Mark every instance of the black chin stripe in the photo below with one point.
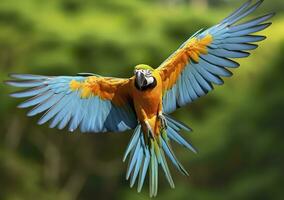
(146, 87)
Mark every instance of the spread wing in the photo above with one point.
(204, 58)
(93, 103)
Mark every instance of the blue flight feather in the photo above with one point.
(206, 87)
(36, 100)
(224, 62)
(237, 12)
(246, 13)
(55, 109)
(217, 70)
(28, 76)
(239, 47)
(195, 85)
(253, 29)
(45, 105)
(29, 83)
(144, 170)
(243, 39)
(30, 92)
(228, 53)
(251, 23)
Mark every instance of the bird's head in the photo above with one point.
(143, 77)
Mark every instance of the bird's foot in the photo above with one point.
(163, 121)
(150, 130)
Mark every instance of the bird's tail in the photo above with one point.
(147, 152)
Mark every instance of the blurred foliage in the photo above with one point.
(238, 127)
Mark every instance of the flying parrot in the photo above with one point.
(143, 102)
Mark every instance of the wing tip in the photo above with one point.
(40, 122)
(31, 113)
(22, 105)
(267, 24)
(12, 75)
(258, 3)
(193, 149)
(9, 82)
(270, 15)
(14, 95)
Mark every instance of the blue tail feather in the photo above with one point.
(148, 153)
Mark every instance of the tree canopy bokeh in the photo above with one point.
(238, 128)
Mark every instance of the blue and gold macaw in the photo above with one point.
(143, 102)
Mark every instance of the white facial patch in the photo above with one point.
(146, 72)
(149, 80)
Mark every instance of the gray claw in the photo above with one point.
(149, 129)
(163, 121)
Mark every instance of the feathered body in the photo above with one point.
(148, 103)
(98, 104)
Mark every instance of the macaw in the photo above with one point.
(144, 101)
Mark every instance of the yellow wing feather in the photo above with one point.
(107, 88)
(172, 68)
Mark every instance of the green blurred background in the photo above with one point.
(238, 128)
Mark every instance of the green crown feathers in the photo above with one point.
(143, 66)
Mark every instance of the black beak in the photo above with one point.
(140, 79)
